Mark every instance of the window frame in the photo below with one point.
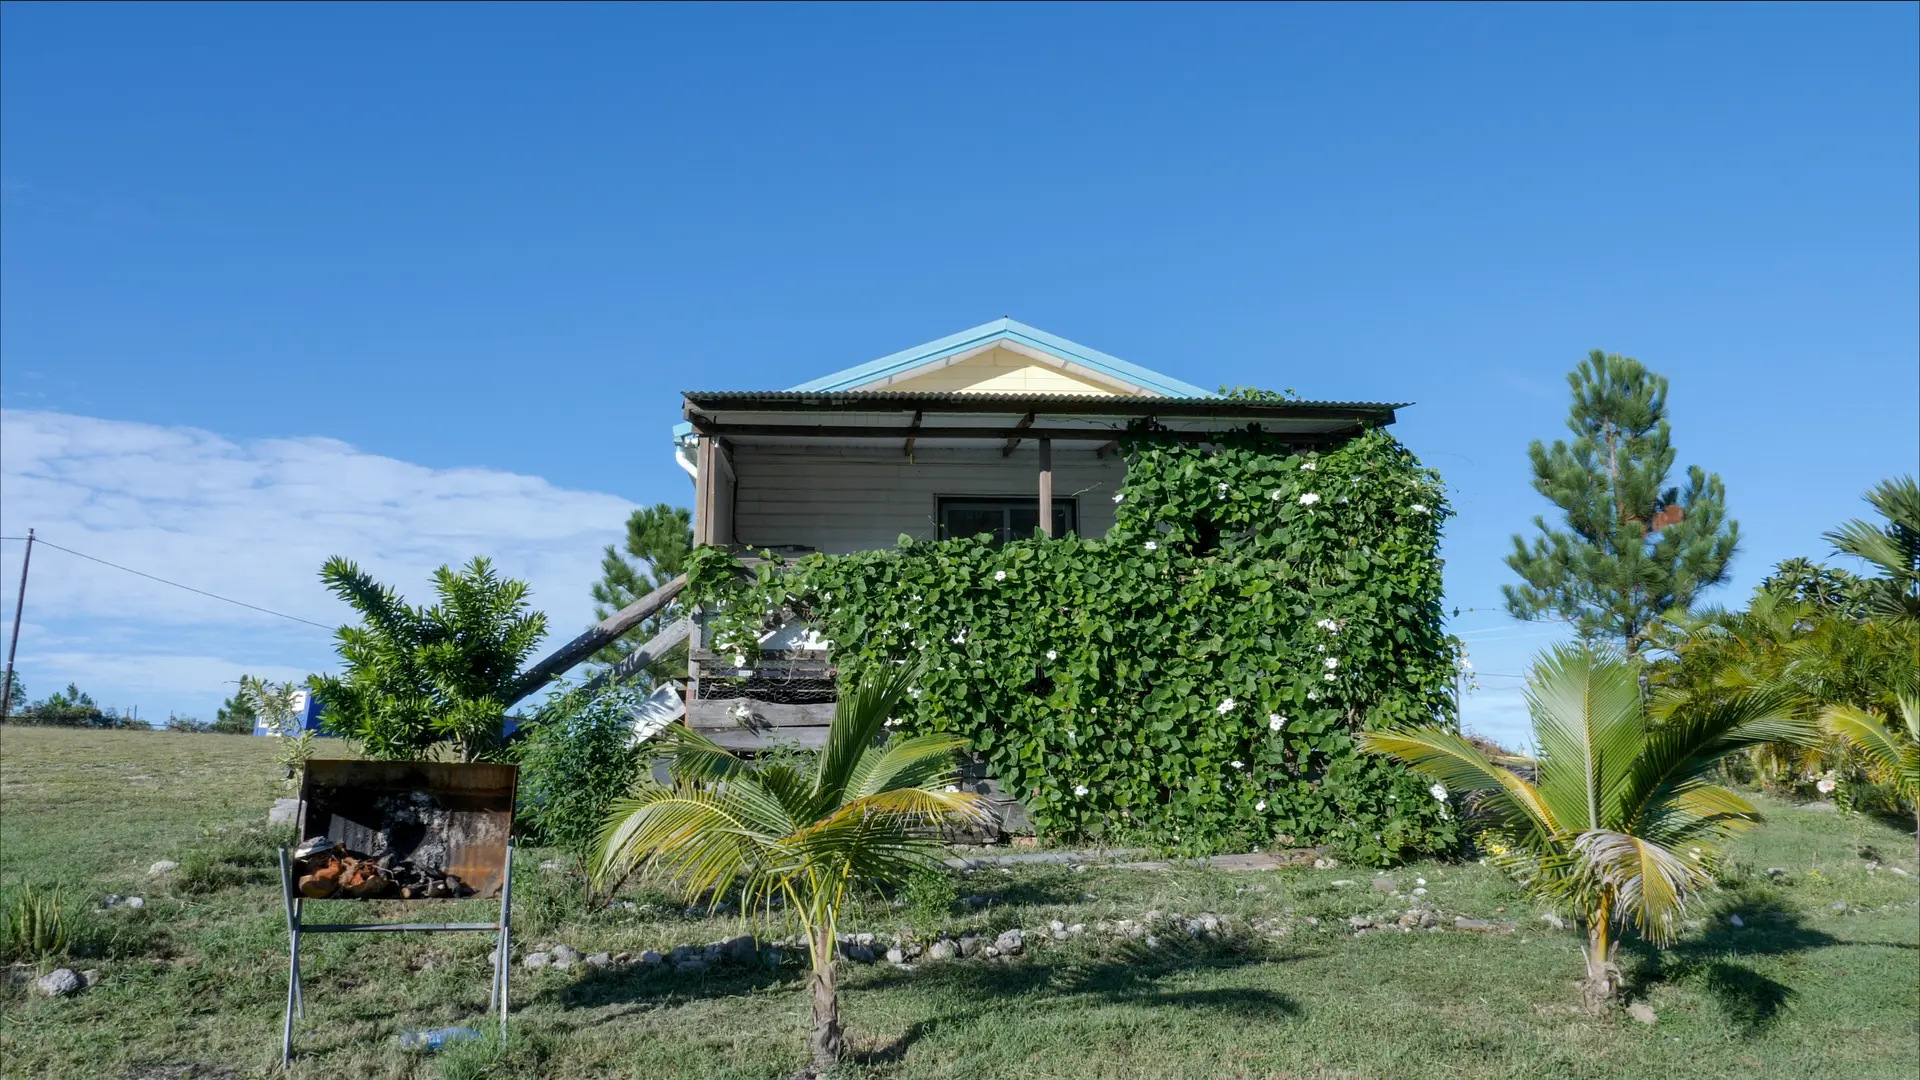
(1068, 507)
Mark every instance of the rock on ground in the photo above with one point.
(1010, 942)
(164, 866)
(60, 982)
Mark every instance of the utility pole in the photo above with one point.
(19, 602)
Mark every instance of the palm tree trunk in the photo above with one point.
(1600, 987)
(824, 1040)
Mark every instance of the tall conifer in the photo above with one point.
(1628, 549)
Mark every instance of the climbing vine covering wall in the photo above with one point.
(1194, 677)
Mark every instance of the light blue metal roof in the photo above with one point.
(1005, 330)
(986, 334)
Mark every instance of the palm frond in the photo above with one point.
(697, 837)
(859, 716)
(1677, 755)
(1653, 884)
(1445, 756)
(921, 761)
(1889, 756)
(1588, 720)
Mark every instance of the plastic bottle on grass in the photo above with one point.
(436, 1038)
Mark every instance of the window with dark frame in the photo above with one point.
(1004, 519)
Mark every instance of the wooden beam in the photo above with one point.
(563, 659)
(1086, 434)
(704, 485)
(1013, 439)
(646, 655)
(697, 406)
(915, 426)
(1046, 487)
(710, 714)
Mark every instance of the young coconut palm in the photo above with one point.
(1892, 753)
(1621, 819)
(862, 812)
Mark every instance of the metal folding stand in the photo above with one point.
(296, 1002)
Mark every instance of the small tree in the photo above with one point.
(863, 813)
(274, 703)
(419, 676)
(577, 759)
(235, 716)
(1892, 548)
(71, 707)
(659, 539)
(1631, 549)
(1621, 819)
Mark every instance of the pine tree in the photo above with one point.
(236, 715)
(1631, 549)
(659, 539)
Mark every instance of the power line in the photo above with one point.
(42, 542)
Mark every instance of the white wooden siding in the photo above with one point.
(841, 500)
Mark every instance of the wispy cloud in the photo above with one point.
(253, 521)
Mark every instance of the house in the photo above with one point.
(1001, 429)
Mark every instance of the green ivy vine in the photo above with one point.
(1195, 677)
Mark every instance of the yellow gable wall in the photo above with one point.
(1001, 371)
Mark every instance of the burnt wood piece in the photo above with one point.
(563, 659)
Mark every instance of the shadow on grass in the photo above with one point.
(1750, 1000)
(1129, 977)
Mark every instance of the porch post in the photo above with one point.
(703, 490)
(1046, 486)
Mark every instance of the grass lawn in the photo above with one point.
(1823, 980)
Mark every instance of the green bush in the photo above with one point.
(576, 758)
(1196, 676)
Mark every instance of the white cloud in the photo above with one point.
(253, 521)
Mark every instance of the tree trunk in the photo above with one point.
(824, 1041)
(1601, 986)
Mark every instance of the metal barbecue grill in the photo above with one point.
(400, 832)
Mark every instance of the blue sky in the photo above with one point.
(413, 283)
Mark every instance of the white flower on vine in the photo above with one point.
(1330, 663)
(1052, 655)
(1261, 805)
(1119, 495)
(915, 692)
(1313, 695)
(961, 637)
(1151, 546)
(739, 659)
(1308, 466)
(1438, 791)
(1309, 499)
(892, 721)
(1825, 787)
(1080, 791)
(1225, 707)
(1275, 721)
(1276, 494)
(1238, 764)
(1418, 508)
(999, 575)
(1328, 625)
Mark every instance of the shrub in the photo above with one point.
(1198, 675)
(577, 758)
